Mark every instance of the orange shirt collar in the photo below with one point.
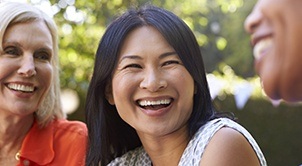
(38, 145)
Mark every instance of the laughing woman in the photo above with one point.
(276, 35)
(149, 103)
(33, 130)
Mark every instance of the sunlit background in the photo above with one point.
(226, 82)
(218, 26)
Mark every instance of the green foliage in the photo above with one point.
(218, 26)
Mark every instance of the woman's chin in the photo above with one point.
(289, 94)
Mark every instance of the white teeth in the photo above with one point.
(158, 102)
(262, 46)
(19, 87)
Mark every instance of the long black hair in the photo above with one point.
(109, 135)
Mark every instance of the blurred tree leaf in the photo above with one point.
(217, 24)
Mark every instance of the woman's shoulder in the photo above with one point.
(60, 142)
(228, 127)
(214, 130)
(229, 147)
(212, 126)
(231, 143)
(70, 140)
(75, 127)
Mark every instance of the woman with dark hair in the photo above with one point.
(149, 103)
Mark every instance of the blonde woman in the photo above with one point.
(33, 128)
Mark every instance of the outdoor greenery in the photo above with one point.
(218, 26)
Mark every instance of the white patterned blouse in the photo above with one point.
(194, 151)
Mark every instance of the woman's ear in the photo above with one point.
(108, 94)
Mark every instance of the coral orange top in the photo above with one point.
(61, 143)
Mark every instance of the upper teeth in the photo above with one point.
(19, 87)
(261, 46)
(158, 102)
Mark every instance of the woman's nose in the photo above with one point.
(27, 67)
(153, 81)
(253, 20)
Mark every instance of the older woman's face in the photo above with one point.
(25, 67)
(276, 31)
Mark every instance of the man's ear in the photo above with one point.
(109, 95)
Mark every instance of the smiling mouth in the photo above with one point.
(261, 47)
(154, 105)
(21, 88)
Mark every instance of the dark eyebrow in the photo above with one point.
(130, 57)
(167, 54)
(138, 57)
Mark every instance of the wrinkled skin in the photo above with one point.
(25, 61)
(280, 65)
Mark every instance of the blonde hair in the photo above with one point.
(13, 13)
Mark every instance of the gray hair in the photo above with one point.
(13, 13)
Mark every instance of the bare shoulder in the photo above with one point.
(229, 147)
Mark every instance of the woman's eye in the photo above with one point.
(43, 56)
(12, 51)
(132, 66)
(171, 62)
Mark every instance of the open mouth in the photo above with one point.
(154, 105)
(261, 47)
(21, 88)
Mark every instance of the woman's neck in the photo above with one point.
(168, 149)
(12, 132)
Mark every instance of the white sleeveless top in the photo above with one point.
(194, 150)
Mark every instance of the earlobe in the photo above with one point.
(109, 95)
